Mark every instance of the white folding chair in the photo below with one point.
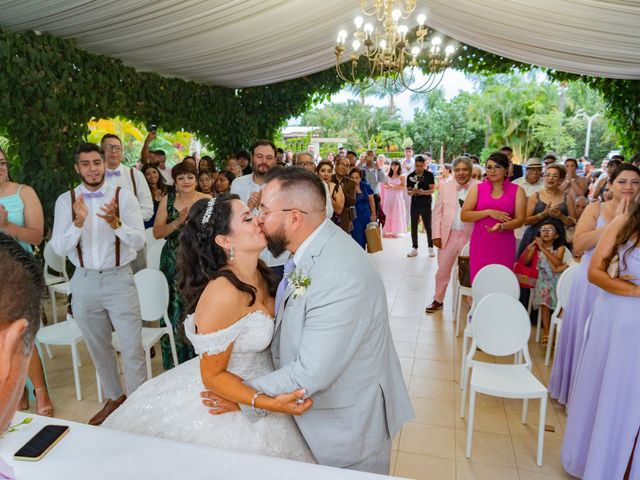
(153, 293)
(493, 278)
(501, 327)
(149, 239)
(563, 290)
(154, 251)
(57, 282)
(459, 290)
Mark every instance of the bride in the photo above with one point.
(229, 292)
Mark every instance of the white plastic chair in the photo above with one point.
(149, 239)
(492, 278)
(153, 293)
(459, 290)
(568, 259)
(563, 290)
(58, 282)
(501, 327)
(154, 251)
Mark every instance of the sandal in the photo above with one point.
(544, 340)
(24, 402)
(44, 408)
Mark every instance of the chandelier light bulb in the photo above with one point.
(436, 41)
(403, 29)
(342, 34)
(396, 14)
(422, 18)
(356, 45)
(368, 28)
(415, 51)
(450, 49)
(383, 44)
(358, 22)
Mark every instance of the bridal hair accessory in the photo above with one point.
(208, 211)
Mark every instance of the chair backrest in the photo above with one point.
(149, 238)
(54, 262)
(465, 250)
(153, 254)
(501, 325)
(153, 293)
(565, 282)
(494, 278)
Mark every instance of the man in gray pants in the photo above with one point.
(99, 228)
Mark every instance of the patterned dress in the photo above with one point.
(176, 303)
(545, 289)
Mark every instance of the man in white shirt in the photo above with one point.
(249, 187)
(119, 175)
(305, 160)
(532, 183)
(374, 176)
(20, 313)
(165, 171)
(98, 227)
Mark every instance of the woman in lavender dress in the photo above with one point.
(604, 410)
(583, 293)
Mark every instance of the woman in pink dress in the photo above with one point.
(496, 207)
(393, 202)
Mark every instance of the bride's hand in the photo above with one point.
(217, 404)
(292, 403)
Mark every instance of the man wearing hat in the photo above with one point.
(532, 183)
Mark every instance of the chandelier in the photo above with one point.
(392, 50)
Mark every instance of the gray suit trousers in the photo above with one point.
(100, 299)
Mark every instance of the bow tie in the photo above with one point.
(113, 173)
(93, 194)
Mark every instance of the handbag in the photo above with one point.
(464, 271)
(527, 275)
(373, 234)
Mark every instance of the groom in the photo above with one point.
(332, 335)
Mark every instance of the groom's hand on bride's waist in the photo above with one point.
(216, 404)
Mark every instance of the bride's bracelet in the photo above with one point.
(259, 412)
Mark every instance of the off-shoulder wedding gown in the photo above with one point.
(169, 405)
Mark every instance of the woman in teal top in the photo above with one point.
(21, 217)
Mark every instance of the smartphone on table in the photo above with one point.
(41, 443)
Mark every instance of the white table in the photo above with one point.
(99, 453)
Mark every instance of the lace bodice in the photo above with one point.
(251, 337)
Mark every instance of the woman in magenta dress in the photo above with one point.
(496, 207)
(600, 440)
(393, 202)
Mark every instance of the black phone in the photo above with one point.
(41, 443)
(153, 128)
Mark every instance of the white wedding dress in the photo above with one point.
(169, 406)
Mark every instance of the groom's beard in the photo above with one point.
(277, 242)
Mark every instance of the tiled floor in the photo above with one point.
(432, 445)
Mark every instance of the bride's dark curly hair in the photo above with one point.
(201, 259)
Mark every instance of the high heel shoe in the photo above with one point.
(44, 409)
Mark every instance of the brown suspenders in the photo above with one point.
(133, 183)
(73, 218)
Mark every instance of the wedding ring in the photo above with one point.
(215, 405)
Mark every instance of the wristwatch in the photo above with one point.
(116, 224)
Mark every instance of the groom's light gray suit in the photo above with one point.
(334, 340)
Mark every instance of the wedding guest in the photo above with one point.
(353, 159)
(496, 207)
(477, 172)
(515, 170)
(348, 187)
(158, 189)
(393, 204)
(331, 157)
(550, 246)
(581, 205)
(335, 195)
(549, 203)
(223, 182)
(188, 160)
(548, 159)
(374, 176)
(208, 165)
(408, 162)
(365, 207)
(119, 175)
(20, 314)
(234, 167)
(420, 186)
(573, 184)
(98, 227)
(625, 185)
(205, 182)
(600, 185)
(531, 183)
(601, 438)
(305, 160)
(450, 233)
(244, 162)
(164, 169)
(21, 217)
(172, 213)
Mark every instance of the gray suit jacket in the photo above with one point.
(334, 340)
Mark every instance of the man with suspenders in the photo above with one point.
(119, 175)
(99, 228)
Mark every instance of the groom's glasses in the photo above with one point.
(264, 213)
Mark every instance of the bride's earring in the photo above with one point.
(232, 254)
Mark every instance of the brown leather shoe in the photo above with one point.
(434, 307)
(107, 410)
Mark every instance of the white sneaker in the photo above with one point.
(413, 253)
(432, 252)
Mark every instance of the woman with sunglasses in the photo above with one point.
(496, 207)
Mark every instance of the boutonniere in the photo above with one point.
(299, 283)
(414, 179)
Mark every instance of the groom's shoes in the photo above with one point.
(107, 410)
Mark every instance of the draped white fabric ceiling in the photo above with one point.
(256, 42)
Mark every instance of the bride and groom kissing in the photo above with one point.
(321, 382)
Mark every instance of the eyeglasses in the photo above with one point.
(305, 164)
(263, 213)
(547, 230)
(113, 148)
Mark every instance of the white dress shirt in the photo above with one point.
(143, 193)
(458, 224)
(243, 187)
(329, 205)
(166, 174)
(96, 236)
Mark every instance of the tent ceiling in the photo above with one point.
(256, 42)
